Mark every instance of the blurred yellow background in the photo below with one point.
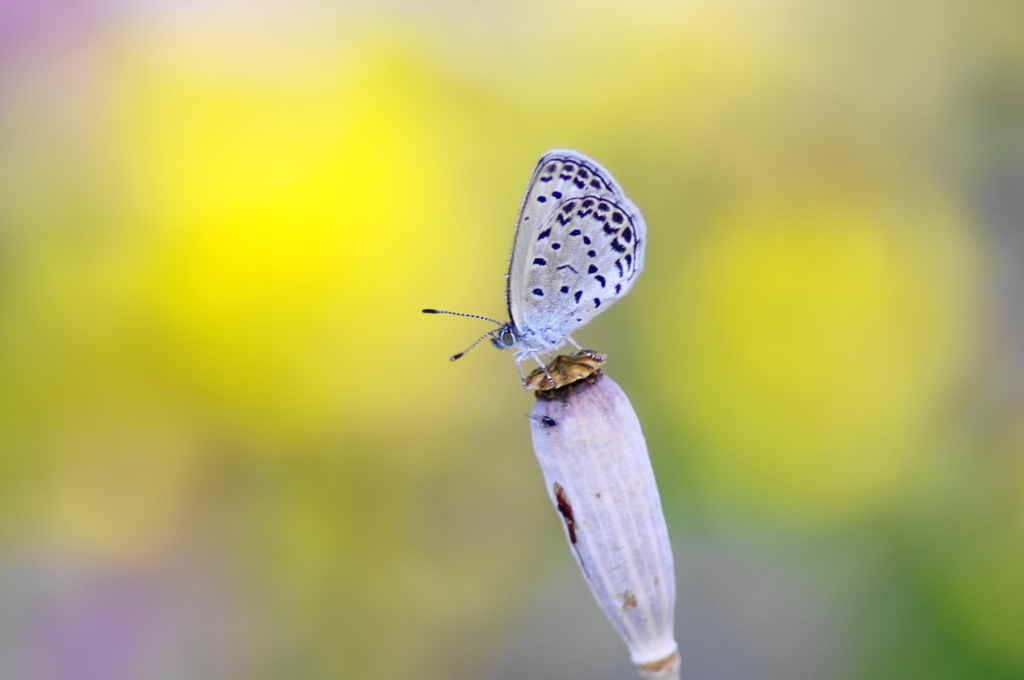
(231, 446)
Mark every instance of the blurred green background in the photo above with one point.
(231, 446)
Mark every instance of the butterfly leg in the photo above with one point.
(520, 356)
(519, 367)
(543, 366)
(585, 351)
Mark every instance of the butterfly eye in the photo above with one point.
(504, 337)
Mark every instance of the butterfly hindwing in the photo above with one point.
(577, 267)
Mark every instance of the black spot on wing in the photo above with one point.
(544, 234)
(600, 279)
(577, 295)
(592, 269)
(618, 247)
(597, 302)
(617, 217)
(591, 253)
(618, 287)
(619, 265)
(556, 194)
(542, 199)
(627, 234)
(574, 232)
(565, 289)
(610, 230)
(540, 260)
(629, 261)
(556, 246)
(538, 292)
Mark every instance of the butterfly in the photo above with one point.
(579, 247)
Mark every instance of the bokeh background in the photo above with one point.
(231, 446)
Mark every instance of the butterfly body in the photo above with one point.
(579, 246)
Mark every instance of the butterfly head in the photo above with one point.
(504, 337)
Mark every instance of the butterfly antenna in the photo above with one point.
(472, 316)
(459, 355)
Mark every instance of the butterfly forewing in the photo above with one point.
(579, 247)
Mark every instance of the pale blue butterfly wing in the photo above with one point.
(579, 247)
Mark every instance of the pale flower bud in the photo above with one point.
(595, 464)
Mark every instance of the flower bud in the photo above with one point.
(594, 459)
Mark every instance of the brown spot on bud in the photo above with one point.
(566, 511)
